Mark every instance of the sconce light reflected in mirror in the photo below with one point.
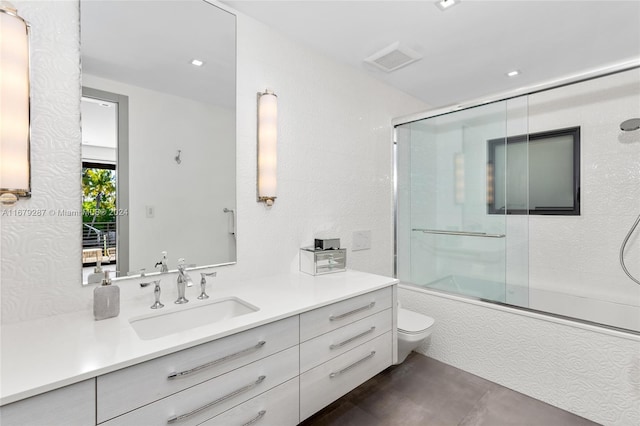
(15, 173)
(458, 171)
(490, 183)
(267, 147)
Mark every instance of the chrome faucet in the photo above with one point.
(156, 292)
(184, 280)
(203, 284)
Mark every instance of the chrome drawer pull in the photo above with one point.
(217, 361)
(337, 373)
(341, 344)
(217, 401)
(256, 418)
(355, 311)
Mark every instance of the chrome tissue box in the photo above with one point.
(318, 262)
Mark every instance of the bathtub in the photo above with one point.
(598, 312)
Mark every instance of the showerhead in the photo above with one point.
(630, 125)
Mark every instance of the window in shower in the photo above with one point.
(552, 186)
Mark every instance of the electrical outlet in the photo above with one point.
(361, 240)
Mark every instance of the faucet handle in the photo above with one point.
(164, 268)
(156, 292)
(203, 284)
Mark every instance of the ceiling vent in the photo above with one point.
(393, 57)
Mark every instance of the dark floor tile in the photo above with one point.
(445, 392)
(502, 406)
(425, 392)
(342, 413)
(391, 407)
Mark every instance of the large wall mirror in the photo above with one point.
(158, 136)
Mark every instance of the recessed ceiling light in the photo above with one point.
(446, 4)
(513, 73)
(197, 62)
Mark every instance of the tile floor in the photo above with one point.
(425, 392)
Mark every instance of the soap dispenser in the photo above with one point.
(97, 275)
(106, 299)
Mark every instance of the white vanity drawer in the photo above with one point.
(127, 389)
(206, 400)
(329, 381)
(73, 405)
(329, 345)
(276, 407)
(327, 318)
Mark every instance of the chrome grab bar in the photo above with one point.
(337, 373)
(256, 418)
(217, 361)
(341, 344)
(217, 401)
(233, 220)
(459, 233)
(355, 311)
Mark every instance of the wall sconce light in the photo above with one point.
(15, 169)
(267, 147)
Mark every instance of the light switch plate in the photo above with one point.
(361, 240)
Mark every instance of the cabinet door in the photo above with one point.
(327, 382)
(127, 389)
(339, 314)
(74, 405)
(206, 400)
(329, 345)
(277, 407)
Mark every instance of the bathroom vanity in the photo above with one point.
(312, 340)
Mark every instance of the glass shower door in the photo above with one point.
(447, 237)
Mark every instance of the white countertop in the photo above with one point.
(42, 355)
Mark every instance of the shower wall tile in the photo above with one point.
(592, 373)
(585, 249)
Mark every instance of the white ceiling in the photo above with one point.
(467, 49)
(150, 43)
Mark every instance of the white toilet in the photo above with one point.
(413, 329)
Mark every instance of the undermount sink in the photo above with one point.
(162, 324)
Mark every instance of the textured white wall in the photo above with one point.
(593, 373)
(334, 164)
(40, 268)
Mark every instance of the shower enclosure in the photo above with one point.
(525, 201)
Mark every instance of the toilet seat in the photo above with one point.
(410, 322)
